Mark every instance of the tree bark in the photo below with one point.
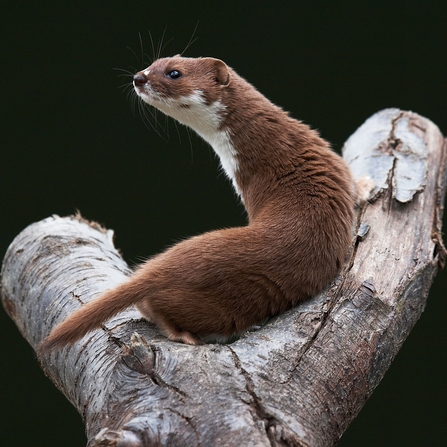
(297, 381)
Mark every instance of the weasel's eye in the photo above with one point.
(173, 74)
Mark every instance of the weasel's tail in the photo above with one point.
(89, 317)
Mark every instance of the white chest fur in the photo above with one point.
(193, 111)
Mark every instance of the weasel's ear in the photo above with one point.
(222, 73)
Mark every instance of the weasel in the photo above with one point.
(299, 196)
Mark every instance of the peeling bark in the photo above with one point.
(299, 380)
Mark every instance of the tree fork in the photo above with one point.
(297, 381)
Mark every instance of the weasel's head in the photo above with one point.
(193, 92)
(187, 89)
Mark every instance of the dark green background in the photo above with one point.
(69, 140)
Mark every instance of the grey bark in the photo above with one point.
(299, 380)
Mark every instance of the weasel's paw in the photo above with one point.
(184, 337)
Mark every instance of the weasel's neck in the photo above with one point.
(252, 136)
(222, 145)
(205, 120)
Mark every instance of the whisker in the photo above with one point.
(153, 47)
(135, 54)
(166, 124)
(166, 44)
(148, 116)
(126, 87)
(128, 72)
(160, 44)
(190, 145)
(126, 75)
(141, 48)
(178, 132)
(192, 39)
(132, 98)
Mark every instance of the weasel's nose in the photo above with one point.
(139, 79)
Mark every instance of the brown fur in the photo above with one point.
(299, 199)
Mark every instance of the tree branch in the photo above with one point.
(299, 380)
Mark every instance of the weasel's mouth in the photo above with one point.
(141, 87)
(139, 90)
(144, 94)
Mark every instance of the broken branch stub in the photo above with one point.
(297, 381)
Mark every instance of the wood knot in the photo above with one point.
(368, 288)
(138, 355)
